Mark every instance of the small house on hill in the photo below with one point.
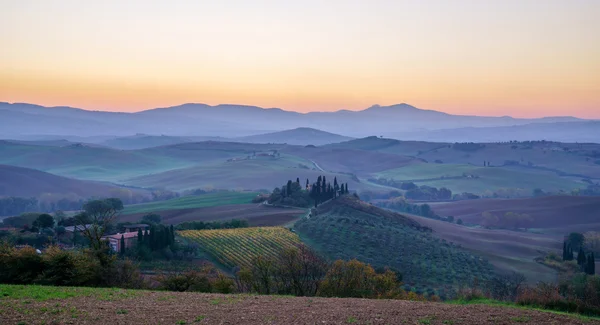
(115, 240)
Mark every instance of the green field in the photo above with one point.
(192, 202)
(487, 178)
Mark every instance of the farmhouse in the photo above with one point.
(115, 240)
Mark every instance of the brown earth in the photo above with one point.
(547, 212)
(192, 308)
(256, 214)
(507, 250)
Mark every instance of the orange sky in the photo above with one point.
(522, 58)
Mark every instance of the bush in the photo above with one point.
(358, 280)
(223, 284)
(19, 266)
(190, 280)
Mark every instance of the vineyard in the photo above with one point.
(346, 229)
(238, 247)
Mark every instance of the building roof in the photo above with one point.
(126, 235)
(137, 225)
(78, 227)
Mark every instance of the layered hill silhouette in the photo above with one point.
(25, 182)
(234, 121)
(298, 136)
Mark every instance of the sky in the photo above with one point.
(524, 58)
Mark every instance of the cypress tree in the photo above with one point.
(570, 252)
(147, 238)
(298, 180)
(172, 235)
(122, 245)
(592, 263)
(140, 237)
(289, 188)
(581, 257)
(307, 183)
(565, 252)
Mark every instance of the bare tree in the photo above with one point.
(97, 216)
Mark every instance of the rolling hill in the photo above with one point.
(25, 182)
(86, 162)
(508, 251)
(299, 136)
(547, 212)
(346, 228)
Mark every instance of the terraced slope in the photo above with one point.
(347, 228)
(238, 247)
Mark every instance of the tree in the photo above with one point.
(298, 180)
(591, 264)
(140, 237)
(459, 222)
(565, 253)
(122, 246)
(151, 218)
(98, 215)
(172, 233)
(576, 239)
(581, 259)
(450, 218)
(44, 221)
(147, 238)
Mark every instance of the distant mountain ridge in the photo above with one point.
(238, 121)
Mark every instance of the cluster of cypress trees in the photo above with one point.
(586, 262)
(322, 191)
(157, 238)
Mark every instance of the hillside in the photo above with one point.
(546, 212)
(25, 182)
(48, 305)
(239, 247)
(86, 162)
(299, 136)
(347, 228)
(143, 141)
(506, 250)
(257, 215)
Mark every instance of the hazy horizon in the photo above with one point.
(515, 58)
(290, 110)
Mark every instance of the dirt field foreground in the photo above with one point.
(147, 307)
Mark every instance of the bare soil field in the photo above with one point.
(256, 214)
(147, 307)
(547, 212)
(507, 250)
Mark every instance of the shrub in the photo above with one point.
(358, 280)
(223, 284)
(190, 280)
(19, 266)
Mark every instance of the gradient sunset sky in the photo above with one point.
(524, 58)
